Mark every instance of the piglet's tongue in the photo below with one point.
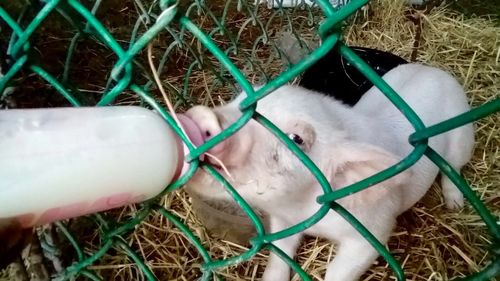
(196, 136)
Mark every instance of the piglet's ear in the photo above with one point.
(351, 162)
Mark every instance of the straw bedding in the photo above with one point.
(430, 241)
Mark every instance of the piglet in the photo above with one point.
(348, 144)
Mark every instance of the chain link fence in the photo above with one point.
(127, 78)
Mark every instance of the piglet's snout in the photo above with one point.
(233, 151)
(208, 124)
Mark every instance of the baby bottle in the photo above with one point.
(65, 162)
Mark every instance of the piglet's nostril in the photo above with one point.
(208, 134)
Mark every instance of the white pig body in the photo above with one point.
(435, 96)
(348, 145)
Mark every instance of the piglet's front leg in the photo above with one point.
(353, 258)
(277, 269)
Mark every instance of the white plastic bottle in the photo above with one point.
(66, 162)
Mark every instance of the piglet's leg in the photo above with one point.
(354, 256)
(277, 269)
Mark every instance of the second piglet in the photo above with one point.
(348, 145)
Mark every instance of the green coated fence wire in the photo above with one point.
(122, 78)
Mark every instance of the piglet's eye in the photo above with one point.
(296, 139)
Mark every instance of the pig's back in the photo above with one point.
(435, 96)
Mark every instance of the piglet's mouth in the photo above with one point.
(201, 124)
(212, 163)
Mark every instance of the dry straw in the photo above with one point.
(430, 241)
